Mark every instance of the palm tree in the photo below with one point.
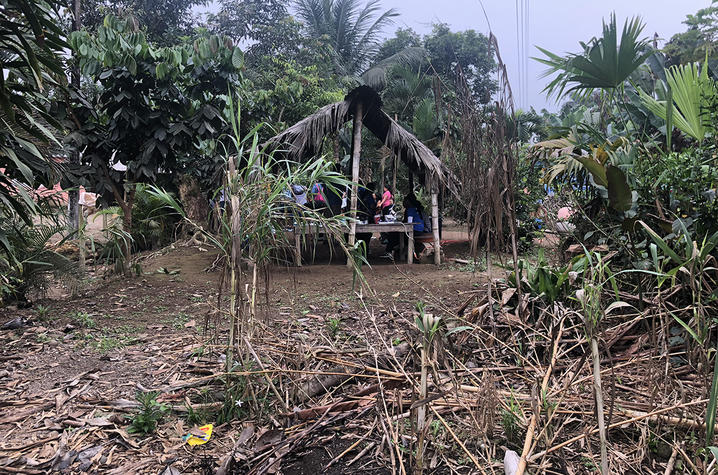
(405, 88)
(30, 54)
(604, 63)
(353, 31)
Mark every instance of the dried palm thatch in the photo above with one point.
(304, 139)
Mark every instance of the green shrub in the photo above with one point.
(26, 261)
(150, 413)
(153, 224)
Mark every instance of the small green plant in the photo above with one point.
(196, 298)
(333, 324)
(200, 416)
(233, 405)
(83, 320)
(436, 428)
(510, 417)
(396, 341)
(104, 344)
(429, 327)
(179, 321)
(42, 338)
(42, 312)
(474, 265)
(150, 413)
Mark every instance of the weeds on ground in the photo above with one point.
(477, 264)
(150, 413)
(178, 322)
(234, 405)
(510, 419)
(200, 416)
(42, 312)
(333, 324)
(83, 320)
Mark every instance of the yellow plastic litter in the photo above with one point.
(193, 440)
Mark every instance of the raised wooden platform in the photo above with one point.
(406, 228)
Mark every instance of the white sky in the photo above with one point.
(556, 25)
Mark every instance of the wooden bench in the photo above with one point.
(406, 228)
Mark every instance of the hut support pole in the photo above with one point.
(395, 162)
(356, 152)
(435, 220)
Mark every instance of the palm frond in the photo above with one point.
(376, 75)
(691, 89)
(605, 62)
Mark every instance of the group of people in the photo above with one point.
(372, 207)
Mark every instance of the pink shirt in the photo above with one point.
(387, 199)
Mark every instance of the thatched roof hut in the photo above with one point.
(305, 138)
(363, 106)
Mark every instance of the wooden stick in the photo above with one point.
(458, 441)
(356, 152)
(534, 418)
(617, 424)
(671, 461)
(599, 404)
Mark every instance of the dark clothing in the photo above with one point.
(366, 205)
(419, 227)
(420, 224)
(386, 210)
(334, 200)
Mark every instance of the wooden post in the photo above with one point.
(410, 251)
(395, 160)
(356, 152)
(297, 247)
(81, 238)
(435, 220)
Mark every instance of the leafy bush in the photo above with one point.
(153, 223)
(686, 183)
(26, 261)
(150, 414)
(546, 281)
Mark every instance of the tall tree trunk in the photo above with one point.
(193, 200)
(73, 213)
(125, 202)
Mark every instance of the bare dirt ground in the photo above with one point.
(70, 376)
(328, 378)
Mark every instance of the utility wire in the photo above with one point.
(518, 53)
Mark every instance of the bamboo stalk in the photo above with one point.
(599, 404)
(617, 424)
(528, 442)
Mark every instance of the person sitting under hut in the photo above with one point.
(386, 204)
(413, 213)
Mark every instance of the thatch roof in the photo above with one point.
(304, 139)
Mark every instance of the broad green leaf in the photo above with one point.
(597, 170)
(662, 244)
(619, 193)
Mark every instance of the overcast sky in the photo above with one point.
(556, 25)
